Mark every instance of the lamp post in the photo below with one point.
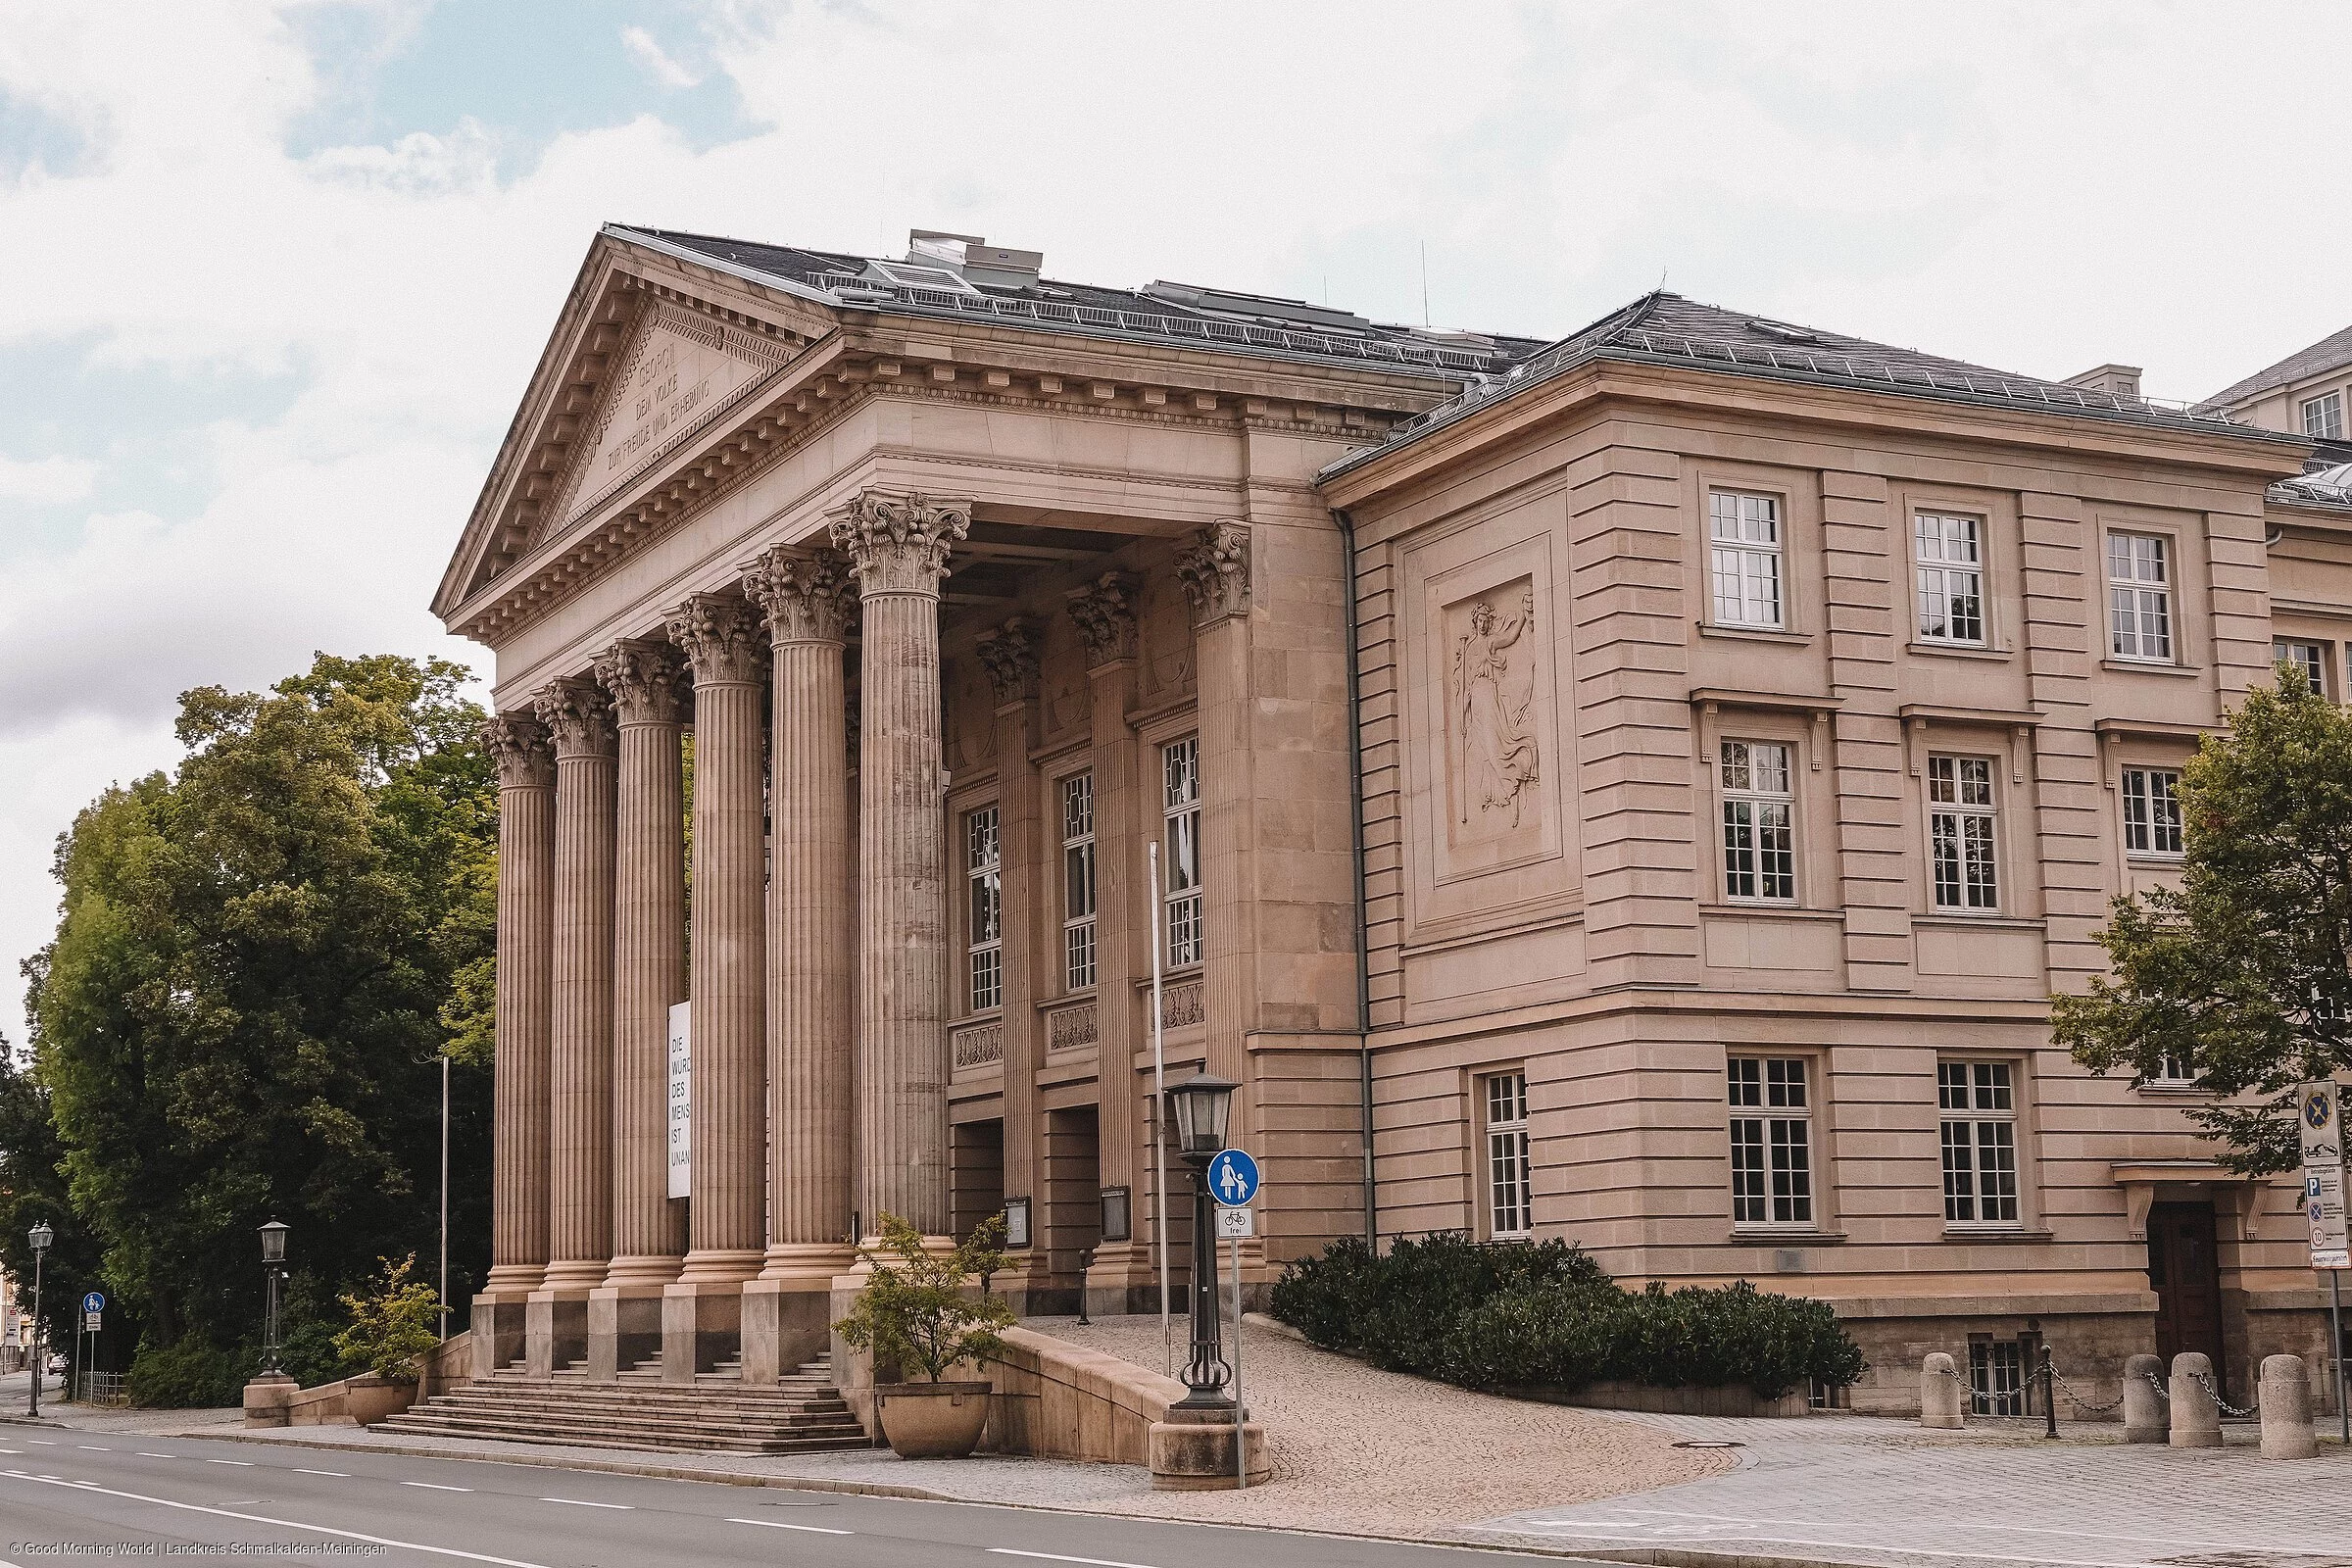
(41, 1236)
(274, 1267)
(1200, 1107)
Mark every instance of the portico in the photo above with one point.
(853, 647)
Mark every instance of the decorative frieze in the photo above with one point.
(578, 714)
(1105, 610)
(647, 678)
(899, 544)
(721, 635)
(1068, 1028)
(519, 747)
(809, 594)
(1010, 655)
(977, 1045)
(1182, 1006)
(1214, 569)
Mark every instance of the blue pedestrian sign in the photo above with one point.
(96, 1302)
(1232, 1178)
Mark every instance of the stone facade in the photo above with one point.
(1426, 687)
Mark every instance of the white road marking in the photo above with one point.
(434, 1486)
(242, 1464)
(283, 1523)
(575, 1502)
(340, 1475)
(93, 1447)
(1055, 1556)
(11, 1450)
(142, 1454)
(778, 1524)
(1725, 1519)
(40, 1442)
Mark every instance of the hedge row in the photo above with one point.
(1544, 1315)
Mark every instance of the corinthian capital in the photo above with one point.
(809, 594)
(1214, 569)
(644, 676)
(1105, 610)
(517, 744)
(720, 636)
(578, 714)
(1009, 653)
(899, 544)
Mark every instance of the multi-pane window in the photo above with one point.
(1772, 1142)
(1961, 833)
(2308, 660)
(2140, 597)
(1996, 1376)
(2151, 811)
(1078, 882)
(1746, 531)
(1180, 805)
(984, 928)
(1507, 1154)
(1980, 1141)
(1759, 854)
(2324, 417)
(1951, 578)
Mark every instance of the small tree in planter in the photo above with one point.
(391, 1332)
(915, 1313)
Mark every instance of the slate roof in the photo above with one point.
(1663, 328)
(2331, 353)
(1217, 319)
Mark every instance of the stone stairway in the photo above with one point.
(719, 1414)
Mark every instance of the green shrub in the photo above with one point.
(192, 1375)
(391, 1326)
(311, 1356)
(1528, 1315)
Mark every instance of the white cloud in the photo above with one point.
(656, 60)
(47, 481)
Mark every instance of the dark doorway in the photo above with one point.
(976, 1185)
(2187, 1281)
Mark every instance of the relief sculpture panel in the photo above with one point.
(1497, 755)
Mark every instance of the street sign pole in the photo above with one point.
(2336, 1318)
(1241, 1413)
(1160, 1103)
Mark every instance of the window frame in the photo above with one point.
(983, 879)
(1759, 803)
(1079, 928)
(1980, 526)
(2311, 654)
(2160, 592)
(2153, 812)
(1977, 1074)
(1805, 1204)
(1772, 554)
(1188, 901)
(1963, 811)
(2330, 406)
(1504, 1140)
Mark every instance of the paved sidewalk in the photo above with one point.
(1886, 1493)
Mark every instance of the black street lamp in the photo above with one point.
(41, 1236)
(1200, 1107)
(274, 1267)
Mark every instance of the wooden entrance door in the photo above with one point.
(2187, 1281)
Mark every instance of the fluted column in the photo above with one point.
(898, 547)
(577, 713)
(726, 984)
(526, 853)
(648, 955)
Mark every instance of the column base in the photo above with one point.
(1124, 1279)
(701, 1328)
(1193, 1451)
(554, 1329)
(1027, 1285)
(624, 1329)
(788, 1310)
(497, 1330)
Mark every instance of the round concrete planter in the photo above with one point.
(933, 1420)
(369, 1399)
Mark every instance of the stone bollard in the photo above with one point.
(2196, 1419)
(2285, 1409)
(266, 1397)
(1941, 1397)
(2145, 1419)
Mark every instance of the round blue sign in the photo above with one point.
(93, 1303)
(1232, 1178)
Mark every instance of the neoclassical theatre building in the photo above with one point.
(1639, 789)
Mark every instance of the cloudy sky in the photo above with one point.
(275, 272)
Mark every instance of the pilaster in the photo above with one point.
(1861, 540)
(1031, 934)
(527, 851)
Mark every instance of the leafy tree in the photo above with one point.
(258, 967)
(913, 1312)
(2239, 975)
(392, 1325)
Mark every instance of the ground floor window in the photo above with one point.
(1508, 1212)
(1980, 1142)
(1996, 1375)
(1772, 1142)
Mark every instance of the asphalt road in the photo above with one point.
(88, 1496)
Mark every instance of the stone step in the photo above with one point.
(716, 1413)
(851, 1437)
(540, 1421)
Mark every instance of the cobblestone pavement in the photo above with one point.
(1863, 1490)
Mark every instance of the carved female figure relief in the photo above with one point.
(1495, 688)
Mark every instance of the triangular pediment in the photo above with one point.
(679, 371)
